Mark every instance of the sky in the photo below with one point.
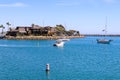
(86, 16)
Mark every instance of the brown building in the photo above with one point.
(35, 30)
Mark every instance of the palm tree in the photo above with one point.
(33, 25)
(1, 26)
(8, 24)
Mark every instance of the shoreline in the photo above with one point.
(40, 37)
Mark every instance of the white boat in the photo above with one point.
(63, 39)
(59, 43)
(104, 41)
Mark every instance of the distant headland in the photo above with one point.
(115, 35)
(39, 32)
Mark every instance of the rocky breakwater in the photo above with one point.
(40, 37)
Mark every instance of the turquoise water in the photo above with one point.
(79, 59)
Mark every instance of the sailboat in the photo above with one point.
(104, 40)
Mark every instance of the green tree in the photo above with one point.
(60, 28)
(8, 24)
(1, 26)
(32, 24)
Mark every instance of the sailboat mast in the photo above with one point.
(106, 26)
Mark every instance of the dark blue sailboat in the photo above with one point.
(104, 40)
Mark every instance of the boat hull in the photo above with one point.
(59, 44)
(63, 39)
(103, 41)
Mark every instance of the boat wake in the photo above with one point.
(24, 46)
(16, 45)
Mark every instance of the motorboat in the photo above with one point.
(63, 39)
(59, 43)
